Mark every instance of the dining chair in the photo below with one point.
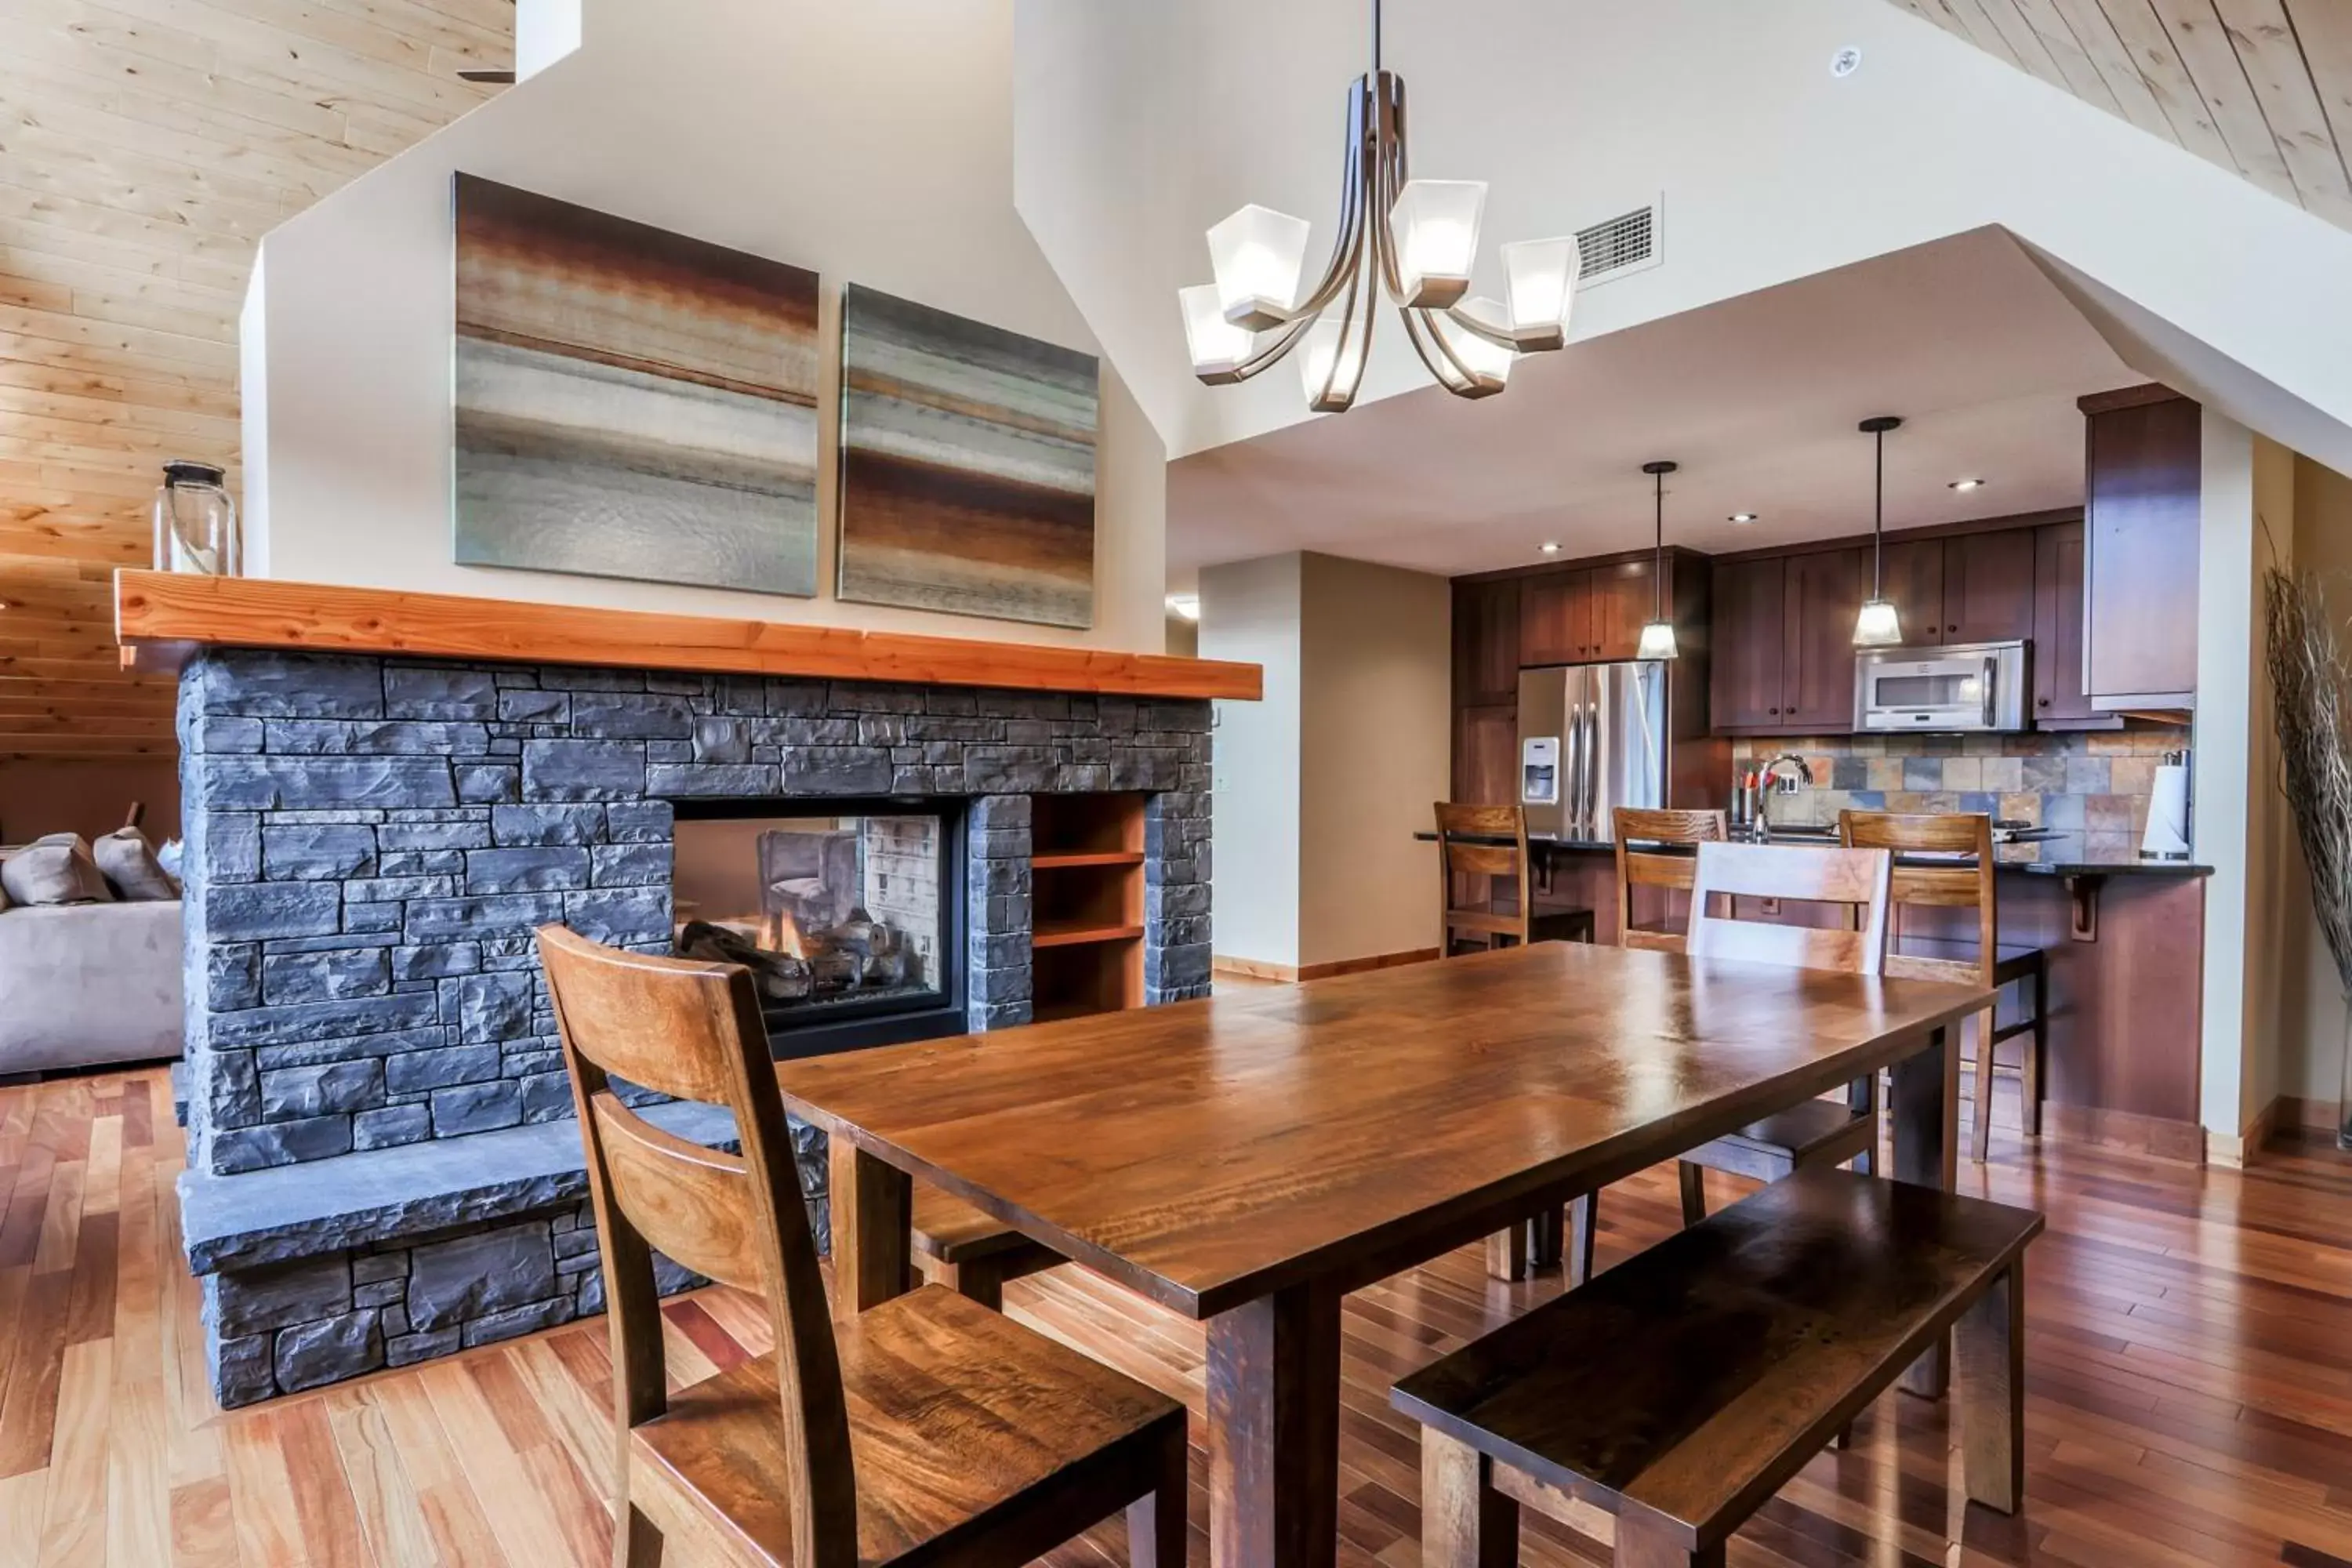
(1964, 879)
(1483, 845)
(1854, 883)
(1637, 833)
(927, 1428)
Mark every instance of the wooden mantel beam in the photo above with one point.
(165, 615)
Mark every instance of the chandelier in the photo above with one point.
(1412, 239)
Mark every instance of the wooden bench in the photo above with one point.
(971, 1253)
(1682, 1389)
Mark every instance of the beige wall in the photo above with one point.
(1321, 787)
(87, 798)
(2310, 1054)
(1375, 725)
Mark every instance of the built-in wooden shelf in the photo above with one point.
(1087, 903)
(1078, 935)
(165, 616)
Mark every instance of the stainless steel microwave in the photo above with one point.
(1940, 690)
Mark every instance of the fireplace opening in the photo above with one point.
(848, 913)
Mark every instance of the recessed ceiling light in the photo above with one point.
(1549, 547)
(1743, 516)
(1967, 484)
(1185, 604)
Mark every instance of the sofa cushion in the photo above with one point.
(56, 869)
(129, 863)
(86, 983)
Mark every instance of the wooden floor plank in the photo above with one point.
(2188, 1373)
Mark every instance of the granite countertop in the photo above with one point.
(1808, 834)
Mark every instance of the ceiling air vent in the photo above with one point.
(1628, 243)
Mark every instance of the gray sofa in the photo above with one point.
(82, 984)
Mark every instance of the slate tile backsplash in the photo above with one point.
(2092, 788)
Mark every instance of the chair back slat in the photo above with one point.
(1857, 878)
(1964, 884)
(691, 1204)
(695, 1031)
(1461, 853)
(1636, 868)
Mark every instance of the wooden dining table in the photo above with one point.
(1249, 1159)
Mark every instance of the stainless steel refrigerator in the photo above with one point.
(1592, 737)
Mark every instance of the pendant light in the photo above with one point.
(1658, 637)
(1878, 626)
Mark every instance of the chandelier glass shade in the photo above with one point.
(1414, 241)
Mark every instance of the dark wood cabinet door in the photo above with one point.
(2059, 700)
(1825, 592)
(1749, 644)
(2140, 551)
(1622, 598)
(1914, 579)
(1486, 642)
(1486, 755)
(1555, 619)
(1989, 586)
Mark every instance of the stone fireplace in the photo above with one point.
(379, 1170)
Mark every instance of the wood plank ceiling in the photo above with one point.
(2260, 87)
(146, 147)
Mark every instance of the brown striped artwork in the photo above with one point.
(630, 403)
(967, 466)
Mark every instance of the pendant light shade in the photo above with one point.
(1658, 636)
(1878, 626)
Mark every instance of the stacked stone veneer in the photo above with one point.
(370, 843)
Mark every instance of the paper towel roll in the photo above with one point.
(2167, 838)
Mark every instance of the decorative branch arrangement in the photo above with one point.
(2310, 681)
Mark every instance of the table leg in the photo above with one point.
(873, 1229)
(1924, 1111)
(1274, 1432)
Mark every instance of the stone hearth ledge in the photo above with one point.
(287, 1212)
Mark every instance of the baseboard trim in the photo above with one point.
(1256, 969)
(2155, 1135)
(2235, 1153)
(2311, 1115)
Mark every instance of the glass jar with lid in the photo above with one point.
(196, 522)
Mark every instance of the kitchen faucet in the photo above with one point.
(1802, 778)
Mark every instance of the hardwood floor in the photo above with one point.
(2189, 1364)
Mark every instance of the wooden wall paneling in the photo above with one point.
(2263, 88)
(150, 144)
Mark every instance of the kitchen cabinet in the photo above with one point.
(1486, 642)
(1970, 588)
(1744, 691)
(2059, 701)
(1555, 619)
(1914, 580)
(2141, 550)
(1825, 591)
(1585, 616)
(1989, 582)
(1485, 755)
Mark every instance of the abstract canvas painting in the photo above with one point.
(967, 466)
(631, 403)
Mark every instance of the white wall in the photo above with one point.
(1575, 110)
(1250, 612)
(871, 143)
